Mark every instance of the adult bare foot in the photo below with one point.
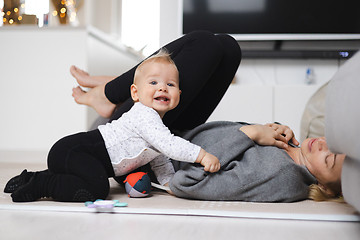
(96, 99)
(85, 80)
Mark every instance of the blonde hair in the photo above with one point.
(319, 194)
(162, 56)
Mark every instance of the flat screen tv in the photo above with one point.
(275, 19)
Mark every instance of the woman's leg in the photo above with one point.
(190, 53)
(79, 168)
(207, 64)
(198, 108)
(200, 57)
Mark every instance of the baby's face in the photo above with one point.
(157, 87)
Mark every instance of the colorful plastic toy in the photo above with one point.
(105, 204)
(138, 184)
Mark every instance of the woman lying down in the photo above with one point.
(258, 166)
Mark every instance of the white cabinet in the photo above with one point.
(245, 103)
(289, 104)
(269, 90)
(36, 104)
(265, 104)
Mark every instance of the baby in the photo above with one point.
(79, 164)
(140, 136)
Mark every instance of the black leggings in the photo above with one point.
(79, 166)
(207, 64)
(78, 169)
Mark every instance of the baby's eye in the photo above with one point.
(171, 85)
(153, 82)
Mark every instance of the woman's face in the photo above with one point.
(323, 164)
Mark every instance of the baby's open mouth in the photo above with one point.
(165, 99)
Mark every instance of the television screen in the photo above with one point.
(274, 19)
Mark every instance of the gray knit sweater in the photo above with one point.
(249, 172)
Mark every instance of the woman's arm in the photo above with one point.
(271, 134)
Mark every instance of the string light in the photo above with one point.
(73, 17)
(67, 8)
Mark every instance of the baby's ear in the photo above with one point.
(134, 93)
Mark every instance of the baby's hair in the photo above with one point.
(162, 55)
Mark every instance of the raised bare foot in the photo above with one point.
(82, 77)
(96, 99)
(85, 80)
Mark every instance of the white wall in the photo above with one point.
(170, 20)
(104, 15)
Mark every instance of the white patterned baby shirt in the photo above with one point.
(139, 137)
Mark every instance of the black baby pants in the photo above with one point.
(78, 169)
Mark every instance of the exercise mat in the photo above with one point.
(161, 203)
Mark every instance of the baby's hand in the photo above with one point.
(209, 161)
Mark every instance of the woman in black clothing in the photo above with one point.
(205, 76)
(207, 64)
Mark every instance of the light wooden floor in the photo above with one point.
(165, 217)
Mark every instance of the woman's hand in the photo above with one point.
(284, 130)
(168, 190)
(270, 134)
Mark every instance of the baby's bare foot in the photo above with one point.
(85, 80)
(96, 99)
